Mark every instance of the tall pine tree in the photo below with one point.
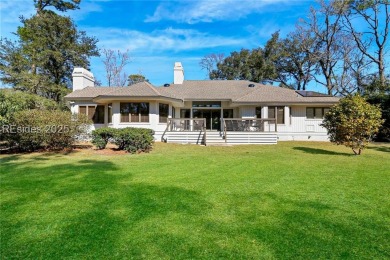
(49, 46)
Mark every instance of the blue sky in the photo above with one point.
(159, 33)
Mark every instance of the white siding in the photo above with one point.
(296, 126)
(302, 128)
(248, 112)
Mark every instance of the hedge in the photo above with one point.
(133, 140)
(101, 136)
(30, 130)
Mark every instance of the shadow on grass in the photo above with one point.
(385, 149)
(92, 209)
(313, 230)
(320, 151)
(82, 209)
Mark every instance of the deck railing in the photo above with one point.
(248, 125)
(186, 124)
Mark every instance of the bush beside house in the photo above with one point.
(353, 122)
(130, 139)
(30, 130)
(101, 136)
(12, 101)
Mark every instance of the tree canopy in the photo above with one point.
(49, 46)
(327, 47)
(244, 65)
(114, 63)
(60, 5)
(136, 78)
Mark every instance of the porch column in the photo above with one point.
(116, 116)
(106, 115)
(264, 112)
(287, 115)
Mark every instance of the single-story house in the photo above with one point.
(204, 111)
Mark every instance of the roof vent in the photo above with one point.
(166, 85)
(251, 85)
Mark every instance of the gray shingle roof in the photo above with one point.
(90, 92)
(282, 95)
(141, 89)
(211, 89)
(237, 91)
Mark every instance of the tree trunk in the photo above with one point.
(381, 68)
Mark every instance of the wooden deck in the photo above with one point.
(214, 137)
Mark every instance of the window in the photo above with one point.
(258, 112)
(196, 113)
(280, 114)
(316, 112)
(95, 113)
(185, 113)
(206, 104)
(163, 110)
(228, 113)
(173, 112)
(83, 110)
(134, 112)
(98, 117)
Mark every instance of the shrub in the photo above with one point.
(101, 136)
(33, 129)
(12, 101)
(134, 140)
(352, 122)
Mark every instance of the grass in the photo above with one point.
(294, 200)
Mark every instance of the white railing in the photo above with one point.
(185, 124)
(248, 125)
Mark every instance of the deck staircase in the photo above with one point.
(216, 138)
(237, 131)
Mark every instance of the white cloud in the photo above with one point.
(158, 41)
(208, 11)
(154, 53)
(157, 68)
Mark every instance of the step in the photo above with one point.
(216, 137)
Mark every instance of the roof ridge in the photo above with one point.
(152, 87)
(237, 80)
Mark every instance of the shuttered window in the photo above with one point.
(95, 113)
(280, 114)
(316, 112)
(134, 112)
(258, 112)
(163, 110)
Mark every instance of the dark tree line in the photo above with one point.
(325, 48)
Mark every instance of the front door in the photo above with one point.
(212, 116)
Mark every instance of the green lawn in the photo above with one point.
(292, 200)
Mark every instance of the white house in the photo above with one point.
(209, 111)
